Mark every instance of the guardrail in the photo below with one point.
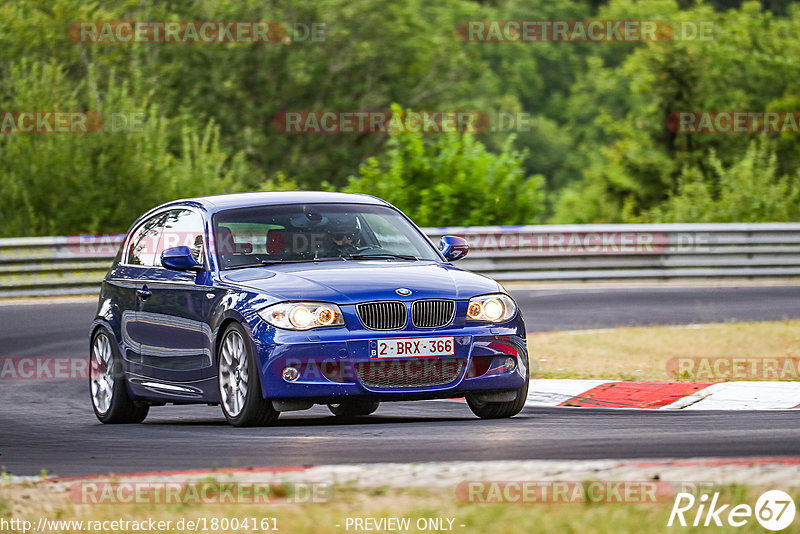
(75, 265)
(628, 251)
(47, 266)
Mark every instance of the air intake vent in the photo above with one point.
(388, 315)
(432, 313)
(409, 373)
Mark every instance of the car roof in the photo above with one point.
(266, 198)
(214, 203)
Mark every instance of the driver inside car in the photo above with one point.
(342, 237)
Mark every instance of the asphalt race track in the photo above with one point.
(49, 424)
(64, 438)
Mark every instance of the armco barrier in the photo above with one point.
(628, 251)
(46, 266)
(75, 265)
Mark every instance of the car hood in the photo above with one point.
(358, 281)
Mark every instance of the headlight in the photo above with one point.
(302, 315)
(495, 308)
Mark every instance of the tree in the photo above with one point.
(747, 191)
(632, 162)
(100, 181)
(453, 180)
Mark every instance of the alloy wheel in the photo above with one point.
(233, 373)
(102, 373)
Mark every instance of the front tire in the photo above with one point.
(353, 408)
(499, 410)
(239, 384)
(109, 392)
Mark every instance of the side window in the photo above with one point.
(182, 228)
(144, 242)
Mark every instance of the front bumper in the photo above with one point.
(335, 362)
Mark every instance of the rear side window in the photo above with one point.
(182, 228)
(144, 242)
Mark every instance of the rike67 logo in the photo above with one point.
(774, 510)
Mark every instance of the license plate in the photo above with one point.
(411, 347)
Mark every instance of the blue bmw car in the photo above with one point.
(271, 302)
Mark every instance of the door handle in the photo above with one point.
(144, 293)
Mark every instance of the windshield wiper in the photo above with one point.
(279, 262)
(310, 260)
(381, 256)
(245, 266)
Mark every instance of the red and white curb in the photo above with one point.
(665, 395)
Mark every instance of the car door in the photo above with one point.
(129, 283)
(175, 337)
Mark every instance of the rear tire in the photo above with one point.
(353, 408)
(239, 382)
(107, 386)
(499, 410)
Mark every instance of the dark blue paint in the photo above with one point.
(179, 259)
(453, 247)
(171, 336)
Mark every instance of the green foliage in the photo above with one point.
(598, 149)
(403, 52)
(747, 191)
(635, 168)
(61, 183)
(452, 180)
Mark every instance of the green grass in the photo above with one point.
(642, 353)
(512, 518)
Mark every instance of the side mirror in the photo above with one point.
(179, 259)
(453, 247)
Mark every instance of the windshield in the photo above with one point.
(315, 232)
